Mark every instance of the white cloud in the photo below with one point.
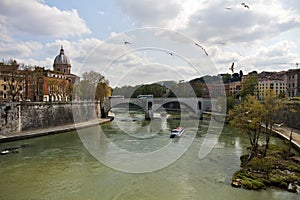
(35, 18)
(101, 12)
(262, 58)
(150, 12)
(209, 21)
(254, 39)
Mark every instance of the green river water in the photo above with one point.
(60, 167)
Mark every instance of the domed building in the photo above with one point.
(57, 84)
(62, 63)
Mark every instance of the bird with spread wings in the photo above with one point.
(201, 48)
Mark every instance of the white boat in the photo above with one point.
(177, 132)
(4, 152)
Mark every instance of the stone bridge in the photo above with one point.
(196, 106)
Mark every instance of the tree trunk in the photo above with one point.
(268, 136)
(290, 143)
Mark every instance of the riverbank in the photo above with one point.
(285, 132)
(278, 169)
(53, 130)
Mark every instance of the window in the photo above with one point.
(4, 79)
(4, 96)
(4, 87)
(64, 70)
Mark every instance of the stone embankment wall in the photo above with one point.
(23, 116)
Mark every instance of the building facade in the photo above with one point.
(277, 86)
(38, 84)
(12, 82)
(292, 79)
(62, 64)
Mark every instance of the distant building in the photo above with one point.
(12, 82)
(62, 64)
(50, 86)
(278, 86)
(39, 84)
(292, 78)
(235, 88)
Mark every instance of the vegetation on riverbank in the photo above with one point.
(278, 169)
(266, 165)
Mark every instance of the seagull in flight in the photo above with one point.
(222, 43)
(125, 42)
(232, 67)
(170, 53)
(201, 48)
(245, 5)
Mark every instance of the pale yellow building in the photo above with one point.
(278, 86)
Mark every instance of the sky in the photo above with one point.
(165, 37)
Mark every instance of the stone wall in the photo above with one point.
(9, 121)
(24, 116)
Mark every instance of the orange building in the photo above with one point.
(38, 84)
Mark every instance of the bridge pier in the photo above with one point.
(149, 110)
(149, 115)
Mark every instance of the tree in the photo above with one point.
(198, 88)
(272, 106)
(102, 91)
(249, 86)
(94, 86)
(248, 117)
(94, 77)
(15, 87)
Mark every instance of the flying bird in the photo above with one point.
(222, 43)
(125, 42)
(245, 5)
(228, 8)
(232, 67)
(201, 48)
(170, 53)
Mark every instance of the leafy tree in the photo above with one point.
(94, 77)
(125, 91)
(249, 86)
(231, 102)
(198, 88)
(241, 75)
(102, 91)
(93, 86)
(272, 106)
(226, 78)
(248, 118)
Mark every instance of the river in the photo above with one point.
(60, 167)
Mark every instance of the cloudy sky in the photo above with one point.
(162, 35)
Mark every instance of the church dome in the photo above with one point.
(62, 58)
